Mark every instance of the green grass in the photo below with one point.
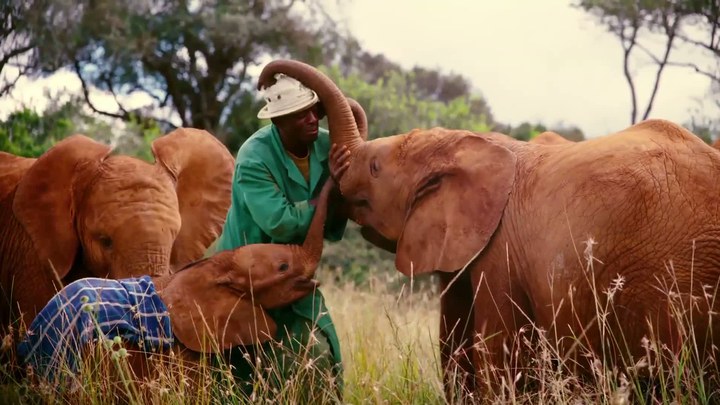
(388, 330)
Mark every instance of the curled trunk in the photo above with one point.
(341, 121)
(360, 118)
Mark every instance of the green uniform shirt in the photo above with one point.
(270, 204)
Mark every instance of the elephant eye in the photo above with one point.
(284, 267)
(374, 167)
(105, 241)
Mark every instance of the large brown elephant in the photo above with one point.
(79, 210)
(522, 233)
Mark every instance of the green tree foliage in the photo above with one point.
(28, 133)
(395, 104)
(191, 57)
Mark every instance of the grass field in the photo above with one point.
(389, 339)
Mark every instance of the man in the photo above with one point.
(279, 172)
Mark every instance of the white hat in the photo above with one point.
(286, 96)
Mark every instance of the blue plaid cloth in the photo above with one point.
(94, 309)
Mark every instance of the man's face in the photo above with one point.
(301, 125)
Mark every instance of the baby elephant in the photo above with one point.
(206, 307)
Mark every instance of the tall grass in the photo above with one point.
(389, 343)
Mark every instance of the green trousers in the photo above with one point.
(304, 363)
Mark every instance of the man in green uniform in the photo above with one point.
(279, 172)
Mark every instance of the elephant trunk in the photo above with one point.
(313, 245)
(153, 263)
(341, 121)
(360, 118)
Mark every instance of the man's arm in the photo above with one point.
(284, 221)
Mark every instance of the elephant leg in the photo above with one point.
(456, 335)
(501, 309)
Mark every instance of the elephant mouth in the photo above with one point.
(306, 284)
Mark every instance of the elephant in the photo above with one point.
(523, 234)
(206, 307)
(80, 211)
(549, 138)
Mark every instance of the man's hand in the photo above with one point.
(339, 161)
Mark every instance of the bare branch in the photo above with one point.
(712, 47)
(671, 31)
(628, 44)
(9, 85)
(711, 76)
(14, 53)
(111, 88)
(86, 94)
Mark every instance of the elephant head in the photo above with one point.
(225, 295)
(418, 190)
(117, 216)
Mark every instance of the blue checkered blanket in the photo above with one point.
(95, 310)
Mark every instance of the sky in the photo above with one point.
(532, 60)
(538, 61)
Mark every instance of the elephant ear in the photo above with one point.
(12, 169)
(45, 199)
(202, 168)
(208, 319)
(458, 206)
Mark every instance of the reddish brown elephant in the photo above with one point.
(533, 229)
(79, 210)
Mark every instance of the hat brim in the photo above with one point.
(265, 113)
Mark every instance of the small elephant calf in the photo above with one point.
(206, 307)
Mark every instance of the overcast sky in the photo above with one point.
(532, 60)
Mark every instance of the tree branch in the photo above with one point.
(111, 88)
(670, 30)
(14, 53)
(711, 76)
(8, 86)
(627, 50)
(86, 94)
(713, 48)
(171, 83)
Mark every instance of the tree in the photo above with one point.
(637, 22)
(394, 106)
(28, 133)
(16, 46)
(192, 57)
